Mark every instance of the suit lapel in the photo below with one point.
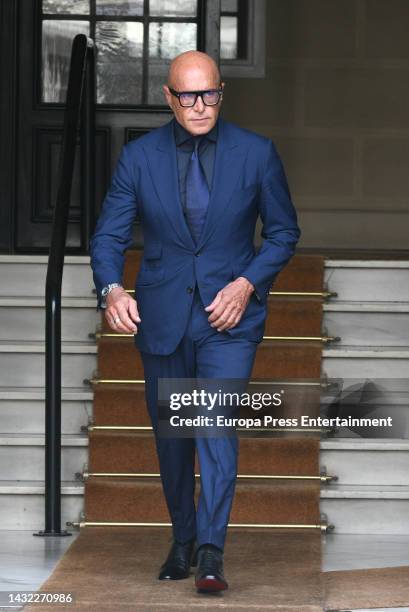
(228, 167)
(163, 168)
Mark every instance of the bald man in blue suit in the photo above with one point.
(198, 184)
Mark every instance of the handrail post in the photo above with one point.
(87, 144)
(82, 49)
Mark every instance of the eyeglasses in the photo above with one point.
(210, 97)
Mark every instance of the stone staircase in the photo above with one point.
(22, 397)
(370, 315)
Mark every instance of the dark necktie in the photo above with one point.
(197, 194)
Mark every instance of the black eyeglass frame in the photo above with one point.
(198, 92)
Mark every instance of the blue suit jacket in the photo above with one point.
(248, 181)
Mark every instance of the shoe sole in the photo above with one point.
(174, 577)
(210, 584)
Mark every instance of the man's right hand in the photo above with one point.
(121, 311)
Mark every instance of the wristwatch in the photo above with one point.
(109, 288)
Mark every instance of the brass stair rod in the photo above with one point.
(324, 294)
(141, 381)
(322, 526)
(322, 477)
(149, 428)
(324, 339)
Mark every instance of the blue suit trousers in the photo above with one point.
(203, 352)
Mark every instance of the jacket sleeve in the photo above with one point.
(280, 231)
(114, 230)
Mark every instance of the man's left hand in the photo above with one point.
(230, 303)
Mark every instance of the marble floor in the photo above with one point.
(27, 560)
(343, 552)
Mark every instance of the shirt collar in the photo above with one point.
(182, 135)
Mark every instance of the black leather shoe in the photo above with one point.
(177, 564)
(209, 572)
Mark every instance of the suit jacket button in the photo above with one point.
(189, 289)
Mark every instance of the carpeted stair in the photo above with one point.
(278, 480)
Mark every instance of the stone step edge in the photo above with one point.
(363, 352)
(43, 259)
(328, 262)
(359, 491)
(365, 444)
(33, 439)
(38, 393)
(367, 307)
(39, 301)
(366, 263)
(74, 394)
(391, 492)
(90, 303)
(90, 347)
(81, 439)
(35, 346)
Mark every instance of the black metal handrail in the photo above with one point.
(79, 114)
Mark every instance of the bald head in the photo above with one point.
(190, 65)
(193, 71)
